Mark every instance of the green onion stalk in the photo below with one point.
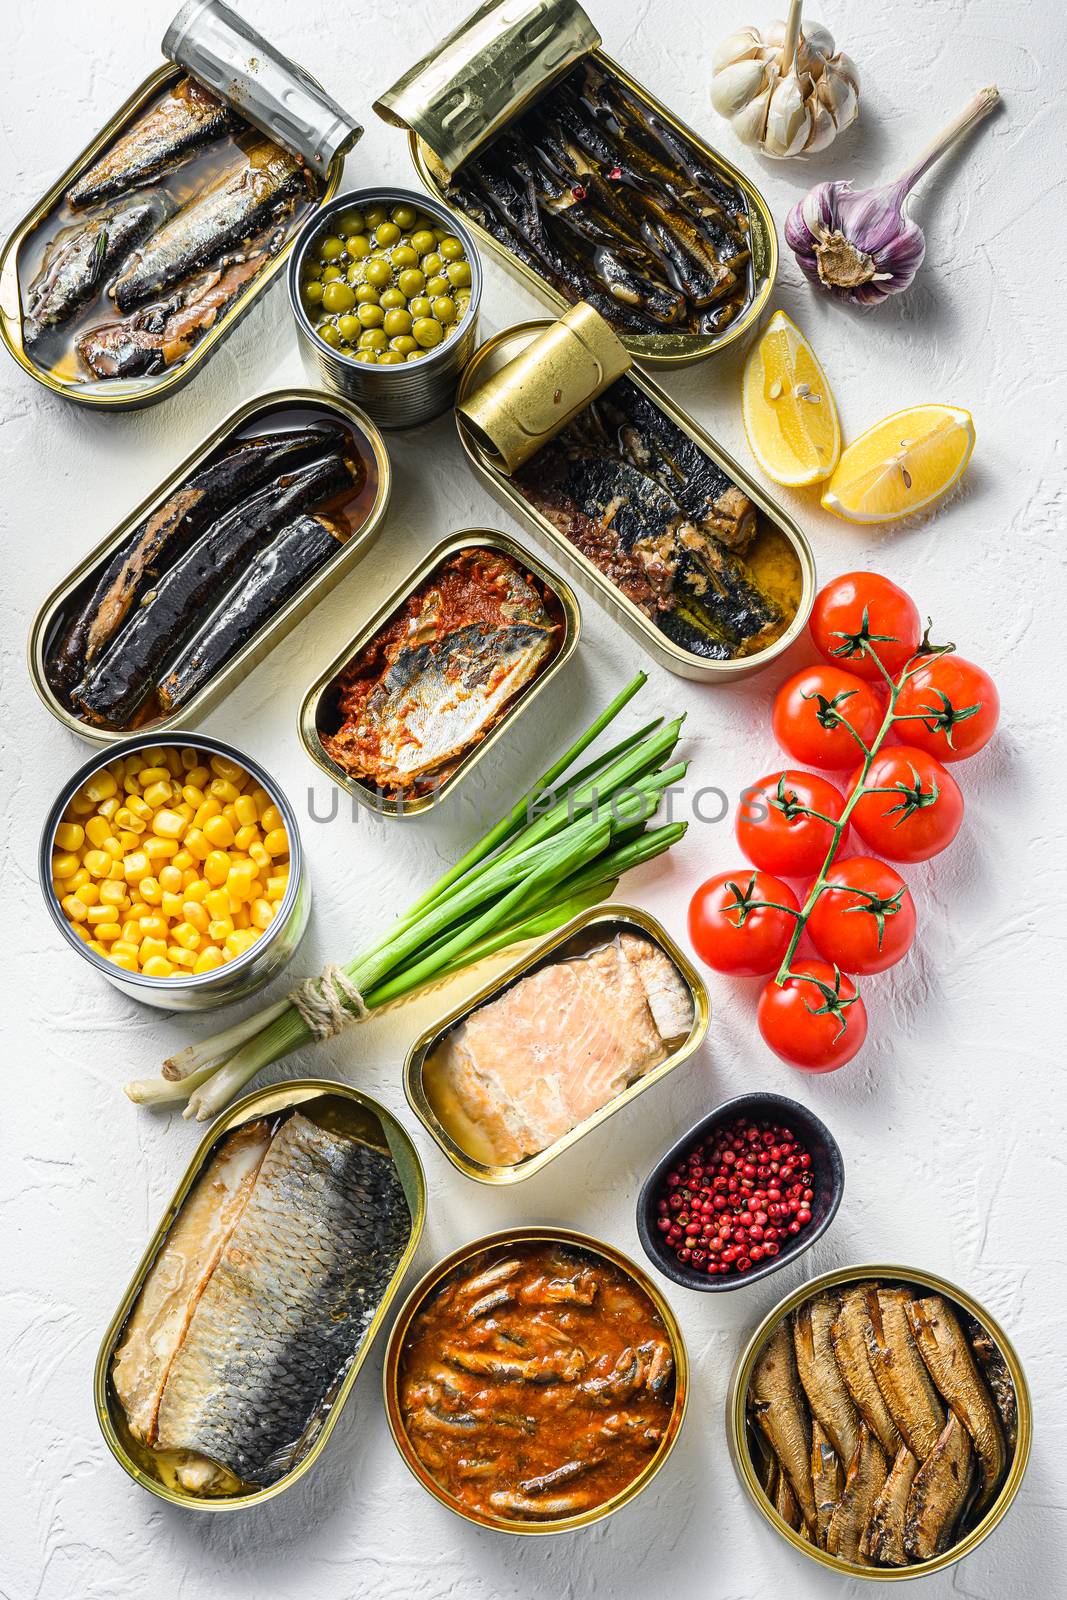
(554, 854)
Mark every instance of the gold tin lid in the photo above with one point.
(535, 394)
(485, 72)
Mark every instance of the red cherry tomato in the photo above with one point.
(952, 708)
(729, 936)
(861, 606)
(807, 714)
(865, 921)
(920, 810)
(818, 1025)
(771, 829)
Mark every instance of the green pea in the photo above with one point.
(358, 246)
(331, 248)
(404, 256)
(411, 282)
(373, 339)
(331, 274)
(426, 332)
(338, 297)
(404, 216)
(329, 334)
(371, 316)
(366, 295)
(352, 222)
(378, 271)
(437, 285)
(391, 300)
(385, 234)
(390, 358)
(354, 274)
(368, 358)
(432, 264)
(397, 322)
(452, 248)
(414, 355)
(313, 293)
(312, 269)
(403, 344)
(349, 326)
(444, 308)
(459, 274)
(423, 241)
(374, 216)
(420, 306)
(440, 233)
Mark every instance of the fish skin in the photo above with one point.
(900, 1371)
(189, 115)
(784, 1502)
(848, 1334)
(939, 1493)
(820, 1377)
(991, 1360)
(566, 1473)
(942, 1345)
(511, 1502)
(864, 1482)
(827, 1480)
(288, 1304)
(499, 1272)
(777, 1402)
(79, 259)
(233, 208)
(555, 1367)
(883, 1539)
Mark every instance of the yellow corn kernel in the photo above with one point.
(195, 915)
(184, 809)
(193, 795)
(70, 836)
(222, 790)
(217, 902)
(181, 957)
(101, 913)
(153, 926)
(173, 759)
(117, 873)
(98, 862)
(189, 758)
(271, 818)
(128, 820)
(189, 878)
(245, 807)
(128, 840)
(131, 930)
(104, 932)
(186, 935)
(261, 913)
(208, 959)
(239, 914)
(239, 883)
(95, 945)
(131, 786)
(97, 829)
(276, 842)
(217, 867)
(151, 947)
(220, 831)
(150, 892)
(65, 866)
(155, 772)
(81, 931)
(223, 767)
(101, 786)
(157, 967)
(197, 844)
(88, 893)
(197, 890)
(168, 824)
(114, 894)
(170, 878)
(138, 807)
(108, 808)
(113, 848)
(127, 962)
(276, 886)
(80, 806)
(246, 836)
(183, 860)
(210, 808)
(157, 849)
(239, 941)
(171, 907)
(124, 947)
(199, 777)
(259, 855)
(219, 928)
(75, 910)
(262, 800)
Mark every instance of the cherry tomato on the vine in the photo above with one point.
(952, 708)
(810, 714)
(771, 826)
(815, 1020)
(918, 809)
(863, 606)
(731, 933)
(864, 920)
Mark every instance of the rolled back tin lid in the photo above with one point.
(485, 72)
(225, 52)
(518, 409)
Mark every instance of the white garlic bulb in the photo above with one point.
(785, 87)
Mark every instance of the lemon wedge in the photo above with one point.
(788, 408)
(901, 465)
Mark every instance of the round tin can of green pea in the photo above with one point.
(408, 391)
(245, 972)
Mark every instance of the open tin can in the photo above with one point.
(486, 74)
(583, 933)
(320, 716)
(779, 546)
(333, 1106)
(424, 1290)
(280, 406)
(740, 1437)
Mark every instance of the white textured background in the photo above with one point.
(951, 1120)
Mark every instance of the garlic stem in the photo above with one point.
(979, 107)
(792, 37)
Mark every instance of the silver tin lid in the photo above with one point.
(222, 51)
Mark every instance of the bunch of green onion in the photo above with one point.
(556, 852)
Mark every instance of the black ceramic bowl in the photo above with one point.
(827, 1166)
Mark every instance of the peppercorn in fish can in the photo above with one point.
(385, 287)
(176, 872)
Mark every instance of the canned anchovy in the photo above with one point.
(736, 580)
(386, 310)
(597, 970)
(178, 874)
(401, 755)
(218, 1392)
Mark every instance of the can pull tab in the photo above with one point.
(224, 52)
(518, 409)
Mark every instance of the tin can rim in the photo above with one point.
(190, 981)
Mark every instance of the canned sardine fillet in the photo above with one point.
(244, 1328)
